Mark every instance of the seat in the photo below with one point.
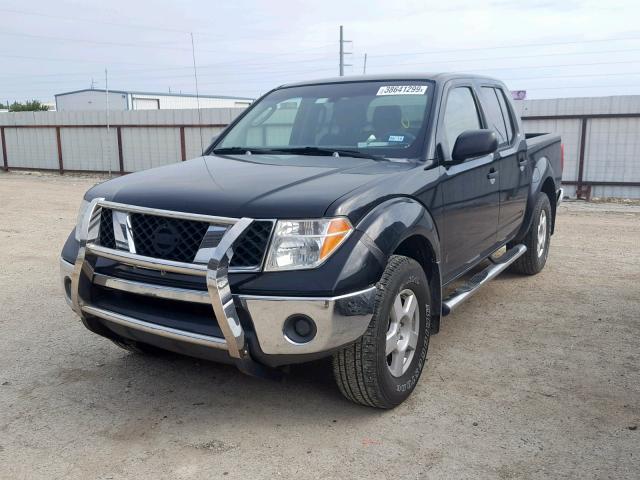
(386, 119)
(347, 122)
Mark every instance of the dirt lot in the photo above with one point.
(533, 378)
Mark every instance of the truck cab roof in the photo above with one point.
(439, 77)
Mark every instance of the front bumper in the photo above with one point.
(337, 320)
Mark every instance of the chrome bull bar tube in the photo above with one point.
(216, 272)
(84, 268)
(220, 292)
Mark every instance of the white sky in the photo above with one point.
(244, 47)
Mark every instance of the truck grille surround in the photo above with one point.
(180, 239)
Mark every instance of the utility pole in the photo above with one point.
(342, 52)
(364, 67)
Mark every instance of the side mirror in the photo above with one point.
(474, 143)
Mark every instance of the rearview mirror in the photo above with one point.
(474, 143)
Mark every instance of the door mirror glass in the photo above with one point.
(474, 143)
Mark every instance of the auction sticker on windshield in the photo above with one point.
(402, 90)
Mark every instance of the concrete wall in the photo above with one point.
(611, 143)
(148, 138)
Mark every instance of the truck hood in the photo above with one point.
(256, 186)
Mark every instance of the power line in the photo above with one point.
(483, 59)
(626, 85)
(271, 72)
(148, 45)
(496, 47)
(245, 64)
(301, 61)
(579, 75)
(170, 67)
(86, 20)
(67, 18)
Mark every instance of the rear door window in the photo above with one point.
(494, 114)
(506, 113)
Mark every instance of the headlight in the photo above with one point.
(300, 244)
(83, 210)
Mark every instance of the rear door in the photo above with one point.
(470, 189)
(512, 161)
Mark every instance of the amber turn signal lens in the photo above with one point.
(337, 232)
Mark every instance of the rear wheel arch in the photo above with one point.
(549, 188)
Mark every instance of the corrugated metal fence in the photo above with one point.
(80, 141)
(601, 138)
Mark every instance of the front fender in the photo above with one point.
(395, 220)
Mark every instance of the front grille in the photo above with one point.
(251, 245)
(107, 238)
(167, 238)
(179, 239)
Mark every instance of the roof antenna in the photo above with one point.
(106, 96)
(195, 76)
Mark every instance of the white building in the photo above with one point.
(94, 99)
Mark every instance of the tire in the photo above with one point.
(535, 258)
(138, 348)
(362, 369)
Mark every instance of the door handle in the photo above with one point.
(493, 173)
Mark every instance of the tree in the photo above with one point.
(32, 106)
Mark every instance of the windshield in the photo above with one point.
(381, 118)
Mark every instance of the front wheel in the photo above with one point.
(381, 368)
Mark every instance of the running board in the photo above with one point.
(481, 278)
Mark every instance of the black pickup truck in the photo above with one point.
(338, 218)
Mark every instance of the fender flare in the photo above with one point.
(393, 221)
(542, 172)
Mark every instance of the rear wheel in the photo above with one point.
(537, 239)
(381, 368)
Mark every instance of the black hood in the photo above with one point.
(256, 186)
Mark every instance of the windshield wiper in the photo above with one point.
(243, 150)
(339, 152)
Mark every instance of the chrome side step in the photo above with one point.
(481, 278)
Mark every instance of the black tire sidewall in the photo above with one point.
(409, 276)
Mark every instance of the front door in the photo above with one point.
(470, 189)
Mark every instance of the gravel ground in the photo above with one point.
(535, 377)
